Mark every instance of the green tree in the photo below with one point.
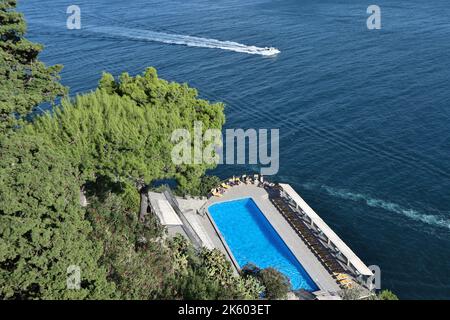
(43, 229)
(123, 130)
(277, 284)
(25, 82)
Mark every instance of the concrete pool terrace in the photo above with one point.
(321, 277)
(319, 260)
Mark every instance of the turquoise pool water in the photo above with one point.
(252, 239)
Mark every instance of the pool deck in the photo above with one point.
(304, 255)
(195, 211)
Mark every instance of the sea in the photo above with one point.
(363, 114)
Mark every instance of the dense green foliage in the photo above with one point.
(362, 294)
(123, 130)
(387, 295)
(25, 82)
(42, 226)
(208, 275)
(137, 262)
(206, 184)
(276, 285)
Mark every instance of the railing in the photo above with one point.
(202, 210)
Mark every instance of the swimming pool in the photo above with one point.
(252, 239)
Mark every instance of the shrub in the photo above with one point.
(277, 284)
(207, 274)
(387, 295)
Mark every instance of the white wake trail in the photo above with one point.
(429, 219)
(140, 34)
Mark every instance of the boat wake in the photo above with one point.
(190, 41)
(415, 215)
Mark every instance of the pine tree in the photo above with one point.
(123, 130)
(43, 229)
(25, 82)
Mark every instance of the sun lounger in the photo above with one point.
(309, 237)
(341, 276)
(345, 281)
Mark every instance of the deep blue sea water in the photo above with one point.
(252, 239)
(364, 116)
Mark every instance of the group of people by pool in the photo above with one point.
(235, 181)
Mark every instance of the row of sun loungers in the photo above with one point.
(344, 280)
(224, 186)
(313, 242)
